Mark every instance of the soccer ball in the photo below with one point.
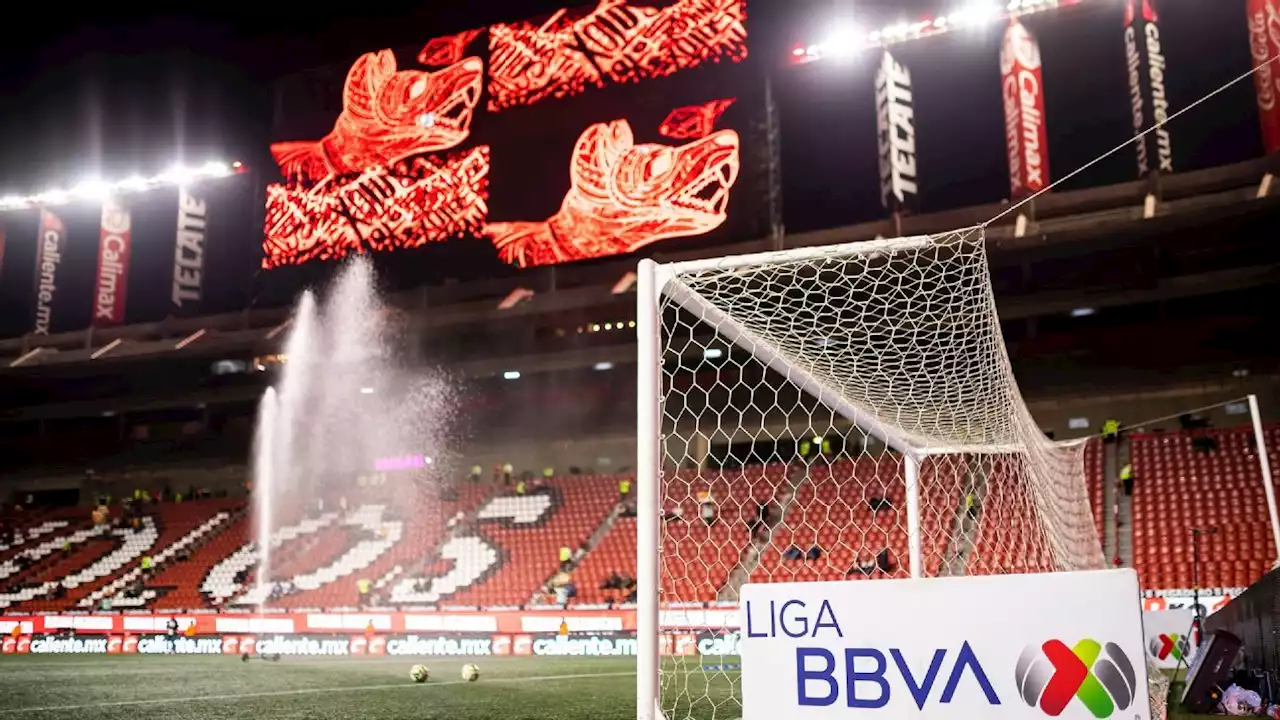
(419, 673)
(470, 672)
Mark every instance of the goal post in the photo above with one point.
(840, 412)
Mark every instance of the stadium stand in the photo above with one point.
(202, 551)
(616, 553)
(702, 554)
(578, 507)
(1179, 488)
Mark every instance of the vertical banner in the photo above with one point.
(896, 126)
(111, 282)
(51, 241)
(188, 251)
(1264, 44)
(1026, 137)
(1147, 89)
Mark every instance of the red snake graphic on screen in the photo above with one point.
(614, 42)
(409, 204)
(388, 115)
(624, 196)
(694, 121)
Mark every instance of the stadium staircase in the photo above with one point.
(750, 560)
(1121, 520)
(1102, 496)
(615, 553)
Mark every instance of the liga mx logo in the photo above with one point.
(1100, 676)
(1169, 646)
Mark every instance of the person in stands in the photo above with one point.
(1126, 479)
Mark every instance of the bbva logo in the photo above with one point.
(1100, 676)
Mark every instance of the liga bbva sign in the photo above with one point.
(999, 647)
(1022, 86)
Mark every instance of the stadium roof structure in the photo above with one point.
(1069, 223)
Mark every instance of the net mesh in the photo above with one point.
(789, 388)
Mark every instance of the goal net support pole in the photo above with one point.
(648, 488)
(1264, 464)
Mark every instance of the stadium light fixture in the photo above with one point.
(604, 366)
(712, 353)
(1082, 312)
(91, 189)
(975, 14)
(511, 375)
(844, 41)
(94, 188)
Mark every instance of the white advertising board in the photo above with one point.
(1066, 645)
(1167, 633)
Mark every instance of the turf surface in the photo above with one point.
(140, 688)
(224, 688)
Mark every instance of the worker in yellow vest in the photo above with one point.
(624, 488)
(565, 555)
(1126, 478)
(1110, 430)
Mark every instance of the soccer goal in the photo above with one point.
(830, 413)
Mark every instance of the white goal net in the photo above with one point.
(836, 413)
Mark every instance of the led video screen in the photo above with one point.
(614, 42)
(448, 142)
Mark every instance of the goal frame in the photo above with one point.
(654, 281)
(659, 282)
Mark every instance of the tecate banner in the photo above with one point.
(1064, 645)
(1148, 95)
(188, 250)
(896, 126)
(1022, 85)
(1264, 44)
(111, 282)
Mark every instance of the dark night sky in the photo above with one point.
(131, 91)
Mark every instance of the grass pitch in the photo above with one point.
(138, 687)
(221, 687)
